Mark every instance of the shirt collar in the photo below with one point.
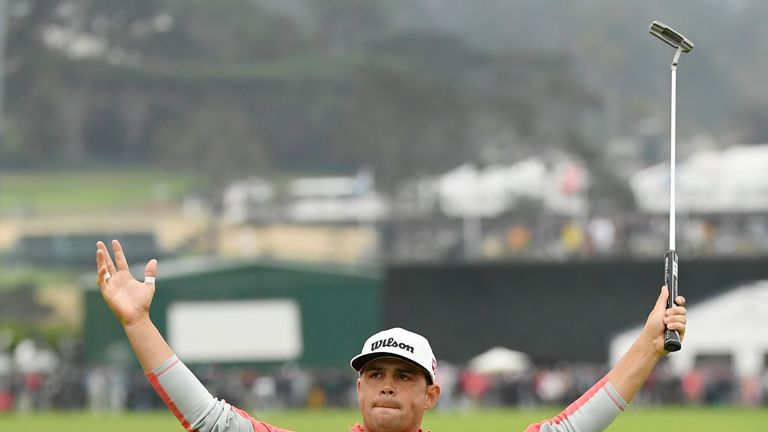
(359, 428)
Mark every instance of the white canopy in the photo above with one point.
(500, 360)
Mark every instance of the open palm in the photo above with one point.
(128, 298)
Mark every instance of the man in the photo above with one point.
(397, 368)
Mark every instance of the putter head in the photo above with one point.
(670, 36)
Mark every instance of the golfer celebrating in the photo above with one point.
(396, 367)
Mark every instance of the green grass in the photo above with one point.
(636, 419)
(65, 191)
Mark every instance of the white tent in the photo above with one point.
(500, 360)
(733, 323)
(465, 191)
(731, 180)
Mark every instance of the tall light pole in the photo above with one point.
(3, 32)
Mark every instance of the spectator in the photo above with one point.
(602, 235)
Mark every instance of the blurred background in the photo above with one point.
(492, 174)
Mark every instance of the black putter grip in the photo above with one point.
(671, 337)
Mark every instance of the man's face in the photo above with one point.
(393, 395)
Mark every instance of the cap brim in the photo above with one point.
(359, 362)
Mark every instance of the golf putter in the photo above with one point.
(681, 44)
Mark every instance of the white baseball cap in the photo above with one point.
(399, 343)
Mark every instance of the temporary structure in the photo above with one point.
(733, 324)
(501, 361)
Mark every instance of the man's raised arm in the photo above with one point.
(601, 404)
(636, 365)
(129, 300)
(182, 392)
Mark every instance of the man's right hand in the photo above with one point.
(128, 298)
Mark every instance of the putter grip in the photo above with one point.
(671, 337)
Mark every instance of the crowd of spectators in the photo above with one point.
(67, 384)
(551, 237)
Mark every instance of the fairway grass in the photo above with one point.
(635, 419)
(91, 190)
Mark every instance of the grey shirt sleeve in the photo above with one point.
(592, 412)
(194, 406)
(198, 410)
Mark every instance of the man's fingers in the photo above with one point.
(122, 263)
(100, 246)
(101, 277)
(150, 272)
(675, 319)
(99, 258)
(679, 327)
(677, 310)
(661, 302)
(99, 255)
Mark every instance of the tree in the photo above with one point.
(217, 141)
